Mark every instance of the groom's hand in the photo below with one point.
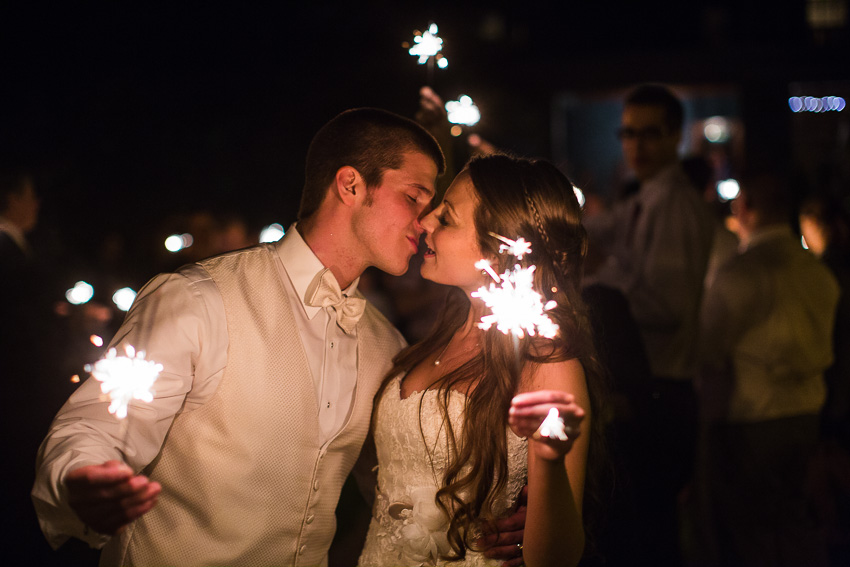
(107, 497)
(507, 546)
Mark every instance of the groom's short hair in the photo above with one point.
(368, 139)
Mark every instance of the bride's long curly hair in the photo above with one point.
(524, 198)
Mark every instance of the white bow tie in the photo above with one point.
(324, 292)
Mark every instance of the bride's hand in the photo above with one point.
(527, 412)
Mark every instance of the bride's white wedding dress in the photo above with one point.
(407, 527)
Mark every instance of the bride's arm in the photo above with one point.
(554, 533)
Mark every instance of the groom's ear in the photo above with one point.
(348, 185)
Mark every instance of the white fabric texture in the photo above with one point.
(407, 527)
(277, 491)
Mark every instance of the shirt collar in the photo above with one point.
(303, 266)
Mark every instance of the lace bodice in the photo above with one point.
(407, 527)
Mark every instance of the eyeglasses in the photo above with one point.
(648, 134)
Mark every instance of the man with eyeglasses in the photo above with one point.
(656, 244)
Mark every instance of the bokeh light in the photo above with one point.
(178, 242)
(124, 298)
(816, 104)
(579, 196)
(272, 233)
(716, 130)
(82, 292)
(728, 189)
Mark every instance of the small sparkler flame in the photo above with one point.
(518, 247)
(515, 307)
(553, 426)
(427, 45)
(124, 378)
(463, 111)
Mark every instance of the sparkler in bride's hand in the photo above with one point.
(516, 309)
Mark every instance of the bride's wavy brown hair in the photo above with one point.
(524, 198)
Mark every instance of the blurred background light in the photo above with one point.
(728, 189)
(816, 104)
(272, 233)
(123, 298)
(716, 130)
(178, 242)
(81, 293)
(96, 340)
(579, 196)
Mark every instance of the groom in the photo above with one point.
(271, 359)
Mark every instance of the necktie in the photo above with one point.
(633, 223)
(324, 292)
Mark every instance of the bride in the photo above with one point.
(456, 421)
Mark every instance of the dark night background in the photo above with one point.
(128, 112)
(132, 115)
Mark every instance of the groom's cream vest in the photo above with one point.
(244, 478)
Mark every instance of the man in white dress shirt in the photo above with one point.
(271, 359)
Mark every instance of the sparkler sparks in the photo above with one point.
(552, 427)
(518, 247)
(463, 111)
(124, 378)
(428, 45)
(515, 307)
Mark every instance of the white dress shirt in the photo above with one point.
(178, 319)
(659, 242)
(331, 352)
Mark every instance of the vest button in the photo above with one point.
(316, 484)
(302, 550)
(310, 519)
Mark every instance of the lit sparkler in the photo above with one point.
(463, 111)
(552, 427)
(125, 378)
(515, 307)
(426, 48)
(428, 45)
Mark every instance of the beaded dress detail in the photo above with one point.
(407, 527)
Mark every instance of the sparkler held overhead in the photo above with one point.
(427, 47)
(463, 111)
